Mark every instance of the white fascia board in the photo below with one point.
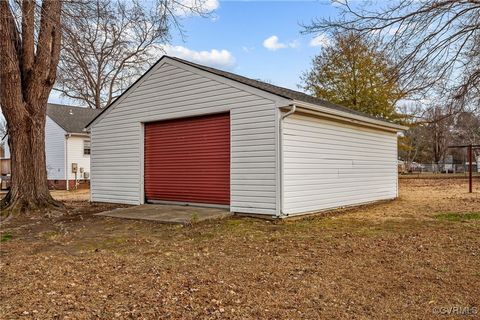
(348, 117)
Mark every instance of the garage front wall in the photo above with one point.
(329, 164)
(172, 90)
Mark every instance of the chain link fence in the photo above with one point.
(419, 168)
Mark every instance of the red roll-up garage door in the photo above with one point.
(188, 160)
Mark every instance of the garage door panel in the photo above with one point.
(188, 160)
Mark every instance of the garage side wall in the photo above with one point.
(329, 164)
(171, 92)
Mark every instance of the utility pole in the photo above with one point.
(470, 148)
(470, 166)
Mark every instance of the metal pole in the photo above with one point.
(470, 148)
(470, 168)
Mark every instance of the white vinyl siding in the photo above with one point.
(329, 164)
(6, 148)
(54, 150)
(174, 91)
(75, 155)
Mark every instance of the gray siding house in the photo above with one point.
(190, 134)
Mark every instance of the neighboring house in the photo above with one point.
(189, 134)
(67, 144)
(5, 163)
(4, 149)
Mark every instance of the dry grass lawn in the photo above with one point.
(72, 196)
(393, 260)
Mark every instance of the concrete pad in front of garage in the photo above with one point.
(167, 213)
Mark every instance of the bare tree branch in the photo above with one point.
(430, 41)
(110, 43)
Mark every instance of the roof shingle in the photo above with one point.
(267, 87)
(276, 90)
(71, 119)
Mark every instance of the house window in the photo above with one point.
(86, 147)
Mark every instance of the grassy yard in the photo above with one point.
(399, 259)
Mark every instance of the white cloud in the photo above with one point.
(320, 41)
(205, 6)
(272, 43)
(214, 57)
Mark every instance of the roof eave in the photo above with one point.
(350, 117)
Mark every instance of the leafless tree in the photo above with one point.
(428, 141)
(435, 43)
(107, 44)
(30, 44)
(29, 53)
(466, 130)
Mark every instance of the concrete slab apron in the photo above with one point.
(167, 213)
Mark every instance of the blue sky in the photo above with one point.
(257, 39)
(241, 27)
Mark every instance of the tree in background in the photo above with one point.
(438, 135)
(427, 140)
(353, 72)
(435, 44)
(109, 43)
(435, 47)
(466, 128)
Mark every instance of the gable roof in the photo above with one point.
(276, 90)
(272, 89)
(71, 119)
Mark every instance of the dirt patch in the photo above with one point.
(390, 260)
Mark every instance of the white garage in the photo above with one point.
(190, 134)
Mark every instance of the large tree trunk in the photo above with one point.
(28, 61)
(29, 187)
